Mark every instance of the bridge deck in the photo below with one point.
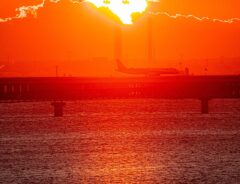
(76, 88)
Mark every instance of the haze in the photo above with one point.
(80, 39)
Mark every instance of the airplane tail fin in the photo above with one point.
(121, 66)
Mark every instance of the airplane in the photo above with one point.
(147, 71)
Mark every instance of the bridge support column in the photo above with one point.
(204, 105)
(58, 108)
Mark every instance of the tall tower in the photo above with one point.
(150, 40)
(118, 43)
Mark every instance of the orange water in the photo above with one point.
(120, 141)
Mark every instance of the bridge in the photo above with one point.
(59, 89)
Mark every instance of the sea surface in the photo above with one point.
(120, 141)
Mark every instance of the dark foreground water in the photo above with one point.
(120, 141)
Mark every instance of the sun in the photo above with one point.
(124, 9)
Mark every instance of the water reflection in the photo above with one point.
(119, 141)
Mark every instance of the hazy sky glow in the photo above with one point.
(67, 31)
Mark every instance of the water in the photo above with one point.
(120, 141)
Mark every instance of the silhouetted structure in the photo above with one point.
(168, 87)
(148, 71)
(150, 40)
(118, 43)
(204, 105)
(58, 108)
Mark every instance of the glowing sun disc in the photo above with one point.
(124, 9)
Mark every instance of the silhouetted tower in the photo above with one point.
(150, 39)
(118, 43)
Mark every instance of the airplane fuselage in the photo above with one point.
(150, 71)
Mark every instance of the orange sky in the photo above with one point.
(80, 39)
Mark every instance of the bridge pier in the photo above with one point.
(204, 105)
(58, 108)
